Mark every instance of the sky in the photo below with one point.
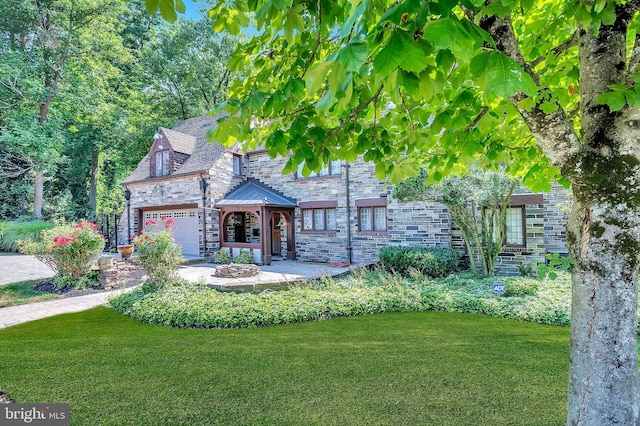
(192, 8)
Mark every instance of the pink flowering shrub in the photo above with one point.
(158, 253)
(68, 249)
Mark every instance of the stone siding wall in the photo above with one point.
(407, 223)
(545, 232)
(179, 191)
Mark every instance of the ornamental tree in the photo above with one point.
(478, 203)
(547, 87)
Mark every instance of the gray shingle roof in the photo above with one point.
(181, 142)
(252, 193)
(185, 134)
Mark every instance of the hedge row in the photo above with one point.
(374, 292)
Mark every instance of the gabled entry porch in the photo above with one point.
(257, 218)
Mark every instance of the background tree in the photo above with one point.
(50, 35)
(478, 203)
(547, 87)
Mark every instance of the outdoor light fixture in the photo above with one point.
(127, 196)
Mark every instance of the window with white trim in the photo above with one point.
(162, 163)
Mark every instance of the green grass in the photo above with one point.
(400, 368)
(21, 293)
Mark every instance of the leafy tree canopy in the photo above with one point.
(403, 83)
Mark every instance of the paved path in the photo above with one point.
(15, 268)
(13, 315)
(18, 267)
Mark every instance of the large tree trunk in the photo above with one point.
(93, 185)
(37, 198)
(604, 384)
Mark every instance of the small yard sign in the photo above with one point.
(499, 288)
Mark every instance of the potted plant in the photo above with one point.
(125, 250)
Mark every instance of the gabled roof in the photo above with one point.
(180, 142)
(203, 154)
(254, 193)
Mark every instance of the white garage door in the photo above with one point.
(185, 224)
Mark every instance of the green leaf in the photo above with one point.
(152, 6)
(293, 22)
(353, 55)
(401, 51)
(615, 100)
(414, 59)
(326, 101)
(180, 7)
(633, 99)
(425, 86)
(168, 10)
(315, 77)
(353, 17)
(503, 76)
(609, 16)
(389, 58)
(548, 107)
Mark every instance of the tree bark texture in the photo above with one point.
(604, 383)
(37, 198)
(603, 234)
(93, 184)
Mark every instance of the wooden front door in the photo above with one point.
(276, 242)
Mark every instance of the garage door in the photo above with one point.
(185, 222)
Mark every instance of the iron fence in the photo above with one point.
(108, 226)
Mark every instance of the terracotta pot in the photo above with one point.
(125, 250)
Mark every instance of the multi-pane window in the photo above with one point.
(237, 165)
(162, 163)
(514, 235)
(372, 219)
(372, 214)
(319, 219)
(331, 169)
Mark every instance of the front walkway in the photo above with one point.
(18, 267)
(14, 268)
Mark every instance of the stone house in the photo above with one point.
(226, 198)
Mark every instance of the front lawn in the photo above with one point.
(21, 293)
(395, 368)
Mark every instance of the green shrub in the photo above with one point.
(429, 261)
(158, 253)
(519, 288)
(68, 249)
(361, 293)
(525, 269)
(223, 257)
(11, 233)
(245, 256)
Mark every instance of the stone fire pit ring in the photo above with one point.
(236, 270)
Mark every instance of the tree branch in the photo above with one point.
(478, 118)
(553, 132)
(573, 41)
(357, 111)
(314, 52)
